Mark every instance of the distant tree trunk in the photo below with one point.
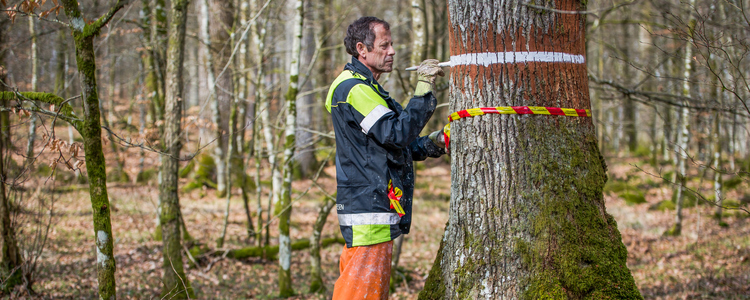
(261, 112)
(717, 165)
(221, 24)
(419, 37)
(175, 283)
(629, 108)
(316, 271)
(10, 258)
(91, 131)
(285, 199)
(305, 149)
(242, 101)
(527, 217)
(34, 82)
(118, 174)
(683, 136)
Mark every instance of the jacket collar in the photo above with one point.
(360, 68)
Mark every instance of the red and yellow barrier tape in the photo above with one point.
(511, 110)
(520, 110)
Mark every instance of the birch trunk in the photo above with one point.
(34, 81)
(527, 217)
(242, 101)
(683, 136)
(261, 112)
(285, 199)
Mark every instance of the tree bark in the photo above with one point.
(175, 283)
(34, 80)
(221, 24)
(91, 131)
(527, 217)
(305, 149)
(683, 136)
(316, 272)
(10, 257)
(285, 199)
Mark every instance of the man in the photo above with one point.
(376, 142)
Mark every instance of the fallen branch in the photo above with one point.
(271, 251)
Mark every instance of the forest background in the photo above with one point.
(668, 83)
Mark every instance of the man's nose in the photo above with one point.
(391, 51)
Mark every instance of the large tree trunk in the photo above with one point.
(527, 216)
(175, 283)
(285, 199)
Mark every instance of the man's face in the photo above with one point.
(380, 59)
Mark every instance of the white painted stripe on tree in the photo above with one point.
(369, 219)
(491, 58)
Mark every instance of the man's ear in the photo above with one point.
(361, 49)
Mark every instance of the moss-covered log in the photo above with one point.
(527, 217)
(272, 251)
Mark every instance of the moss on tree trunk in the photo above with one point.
(175, 283)
(527, 217)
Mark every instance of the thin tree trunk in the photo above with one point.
(527, 216)
(34, 83)
(305, 149)
(285, 199)
(10, 258)
(118, 174)
(84, 35)
(244, 150)
(175, 283)
(229, 170)
(220, 25)
(316, 271)
(683, 137)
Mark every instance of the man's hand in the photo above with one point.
(426, 73)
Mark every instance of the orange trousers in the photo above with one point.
(365, 272)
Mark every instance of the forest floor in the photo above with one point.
(707, 261)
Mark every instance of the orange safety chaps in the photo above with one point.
(365, 272)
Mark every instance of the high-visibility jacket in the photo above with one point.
(376, 142)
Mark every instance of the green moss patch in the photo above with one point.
(663, 205)
(633, 198)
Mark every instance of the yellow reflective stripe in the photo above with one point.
(503, 110)
(364, 99)
(363, 235)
